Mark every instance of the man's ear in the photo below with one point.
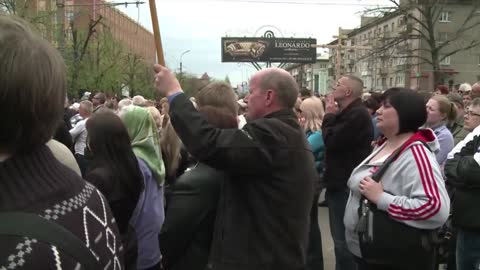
(270, 95)
(348, 92)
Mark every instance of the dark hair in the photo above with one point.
(110, 145)
(32, 87)
(372, 104)
(410, 107)
(305, 92)
(219, 117)
(101, 97)
(443, 89)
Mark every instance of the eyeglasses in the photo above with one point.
(470, 113)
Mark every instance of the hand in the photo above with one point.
(165, 81)
(331, 106)
(371, 189)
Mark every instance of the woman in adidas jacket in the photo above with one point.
(412, 190)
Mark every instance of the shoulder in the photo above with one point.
(200, 176)
(419, 156)
(443, 132)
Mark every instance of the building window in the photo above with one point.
(385, 28)
(445, 61)
(442, 36)
(445, 16)
(393, 26)
(391, 81)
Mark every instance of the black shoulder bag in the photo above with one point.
(386, 241)
(33, 226)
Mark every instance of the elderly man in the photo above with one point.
(462, 169)
(348, 134)
(263, 216)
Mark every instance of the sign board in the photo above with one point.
(276, 50)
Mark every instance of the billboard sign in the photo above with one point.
(276, 50)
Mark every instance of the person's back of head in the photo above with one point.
(157, 117)
(312, 112)
(305, 93)
(271, 90)
(372, 105)
(86, 109)
(218, 94)
(124, 103)
(32, 87)
(138, 101)
(111, 149)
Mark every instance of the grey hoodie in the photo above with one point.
(414, 193)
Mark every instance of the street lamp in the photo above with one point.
(181, 74)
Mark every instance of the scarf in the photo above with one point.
(145, 141)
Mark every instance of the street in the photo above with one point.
(328, 253)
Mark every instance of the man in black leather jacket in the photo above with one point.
(463, 175)
(263, 215)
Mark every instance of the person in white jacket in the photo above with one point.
(412, 190)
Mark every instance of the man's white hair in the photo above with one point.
(138, 101)
(123, 103)
(465, 87)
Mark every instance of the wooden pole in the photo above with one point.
(156, 33)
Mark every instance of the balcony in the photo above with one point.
(406, 29)
(402, 68)
(382, 71)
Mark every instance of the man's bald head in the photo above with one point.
(475, 90)
(281, 82)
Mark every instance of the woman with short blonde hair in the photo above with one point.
(312, 111)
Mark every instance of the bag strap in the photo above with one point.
(34, 226)
(377, 176)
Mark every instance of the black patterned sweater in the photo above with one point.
(38, 183)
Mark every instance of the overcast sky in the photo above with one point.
(198, 26)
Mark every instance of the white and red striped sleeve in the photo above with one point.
(421, 199)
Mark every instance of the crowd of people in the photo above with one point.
(218, 182)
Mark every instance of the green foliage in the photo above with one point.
(101, 63)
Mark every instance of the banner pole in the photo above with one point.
(156, 33)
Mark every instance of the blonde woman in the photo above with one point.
(311, 110)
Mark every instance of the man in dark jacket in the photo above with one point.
(462, 170)
(348, 134)
(263, 216)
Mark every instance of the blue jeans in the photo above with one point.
(468, 250)
(337, 201)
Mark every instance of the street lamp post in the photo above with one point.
(181, 66)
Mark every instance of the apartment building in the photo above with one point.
(312, 76)
(396, 55)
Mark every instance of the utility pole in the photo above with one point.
(338, 53)
(181, 64)
(60, 13)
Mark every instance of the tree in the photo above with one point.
(421, 20)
